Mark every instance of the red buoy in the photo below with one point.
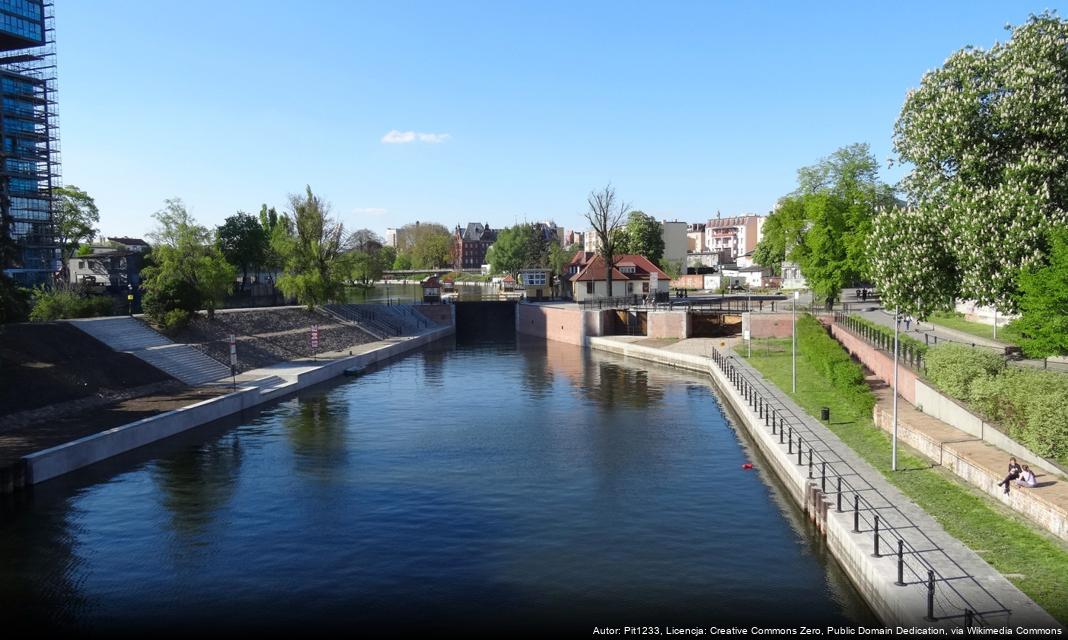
(747, 465)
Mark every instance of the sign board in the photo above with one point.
(746, 335)
(315, 336)
(654, 280)
(129, 296)
(233, 350)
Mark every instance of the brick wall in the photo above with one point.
(442, 314)
(562, 324)
(668, 324)
(689, 281)
(882, 364)
(770, 325)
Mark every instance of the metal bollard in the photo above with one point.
(856, 513)
(838, 506)
(900, 563)
(773, 421)
(799, 448)
(790, 440)
(876, 554)
(930, 594)
(782, 428)
(823, 476)
(810, 463)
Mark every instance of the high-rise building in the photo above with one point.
(29, 132)
(737, 235)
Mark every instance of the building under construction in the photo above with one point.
(29, 127)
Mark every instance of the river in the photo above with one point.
(494, 486)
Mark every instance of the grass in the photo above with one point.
(1037, 562)
(956, 321)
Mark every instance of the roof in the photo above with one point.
(735, 221)
(476, 231)
(595, 269)
(136, 242)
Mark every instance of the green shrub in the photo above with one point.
(174, 320)
(59, 304)
(832, 361)
(904, 341)
(953, 367)
(1030, 405)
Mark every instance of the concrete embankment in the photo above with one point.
(935, 573)
(253, 388)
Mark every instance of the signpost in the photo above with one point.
(314, 340)
(654, 282)
(233, 359)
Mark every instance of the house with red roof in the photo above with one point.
(632, 275)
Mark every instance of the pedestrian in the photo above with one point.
(1027, 478)
(864, 295)
(1014, 472)
(908, 321)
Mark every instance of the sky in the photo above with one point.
(494, 112)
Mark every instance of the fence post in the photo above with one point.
(799, 448)
(876, 554)
(900, 563)
(930, 594)
(838, 496)
(790, 440)
(823, 476)
(856, 513)
(809, 462)
(782, 428)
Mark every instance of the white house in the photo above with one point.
(633, 275)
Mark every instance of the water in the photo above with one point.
(489, 487)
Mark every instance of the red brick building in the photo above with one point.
(469, 245)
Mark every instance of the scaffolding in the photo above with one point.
(29, 130)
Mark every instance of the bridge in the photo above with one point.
(706, 304)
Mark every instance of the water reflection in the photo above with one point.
(196, 483)
(317, 432)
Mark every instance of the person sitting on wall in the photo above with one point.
(1027, 478)
(1014, 472)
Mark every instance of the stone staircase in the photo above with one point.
(380, 320)
(132, 336)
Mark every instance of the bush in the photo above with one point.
(953, 367)
(174, 320)
(59, 304)
(1030, 405)
(829, 358)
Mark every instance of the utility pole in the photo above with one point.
(793, 341)
(893, 449)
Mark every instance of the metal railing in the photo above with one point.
(917, 566)
(910, 355)
(735, 304)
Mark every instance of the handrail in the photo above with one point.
(920, 568)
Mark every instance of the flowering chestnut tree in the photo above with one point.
(986, 136)
(910, 262)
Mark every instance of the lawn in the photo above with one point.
(1033, 560)
(957, 321)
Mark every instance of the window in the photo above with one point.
(589, 287)
(627, 269)
(645, 287)
(81, 264)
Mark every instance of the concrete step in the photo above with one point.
(132, 336)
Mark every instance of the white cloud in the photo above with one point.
(404, 137)
(369, 211)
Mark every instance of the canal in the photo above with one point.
(484, 486)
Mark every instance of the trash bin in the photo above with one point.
(825, 414)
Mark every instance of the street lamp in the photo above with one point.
(793, 341)
(749, 310)
(893, 448)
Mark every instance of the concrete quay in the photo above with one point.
(252, 388)
(965, 586)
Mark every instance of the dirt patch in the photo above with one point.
(266, 337)
(26, 439)
(44, 364)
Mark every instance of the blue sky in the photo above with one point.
(517, 110)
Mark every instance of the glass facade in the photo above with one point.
(29, 139)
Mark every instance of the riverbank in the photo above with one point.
(248, 389)
(963, 580)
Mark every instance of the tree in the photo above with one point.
(186, 270)
(913, 274)
(243, 242)
(508, 254)
(75, 216)
(369, 257)
(316, 266)
(275, 229)
(605, 215)
(1043, 322)
(985, 137)
(642, 235)
(825, 224)
(428, 245)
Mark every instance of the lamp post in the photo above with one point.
(793, 342)
(893, 447)
(749, 310)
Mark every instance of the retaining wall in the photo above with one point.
(1049, 516)
(561, 323)
(769, 325)
(878, 362)
(668, 324)
(50, 463)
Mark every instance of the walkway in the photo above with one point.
(132, 336)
